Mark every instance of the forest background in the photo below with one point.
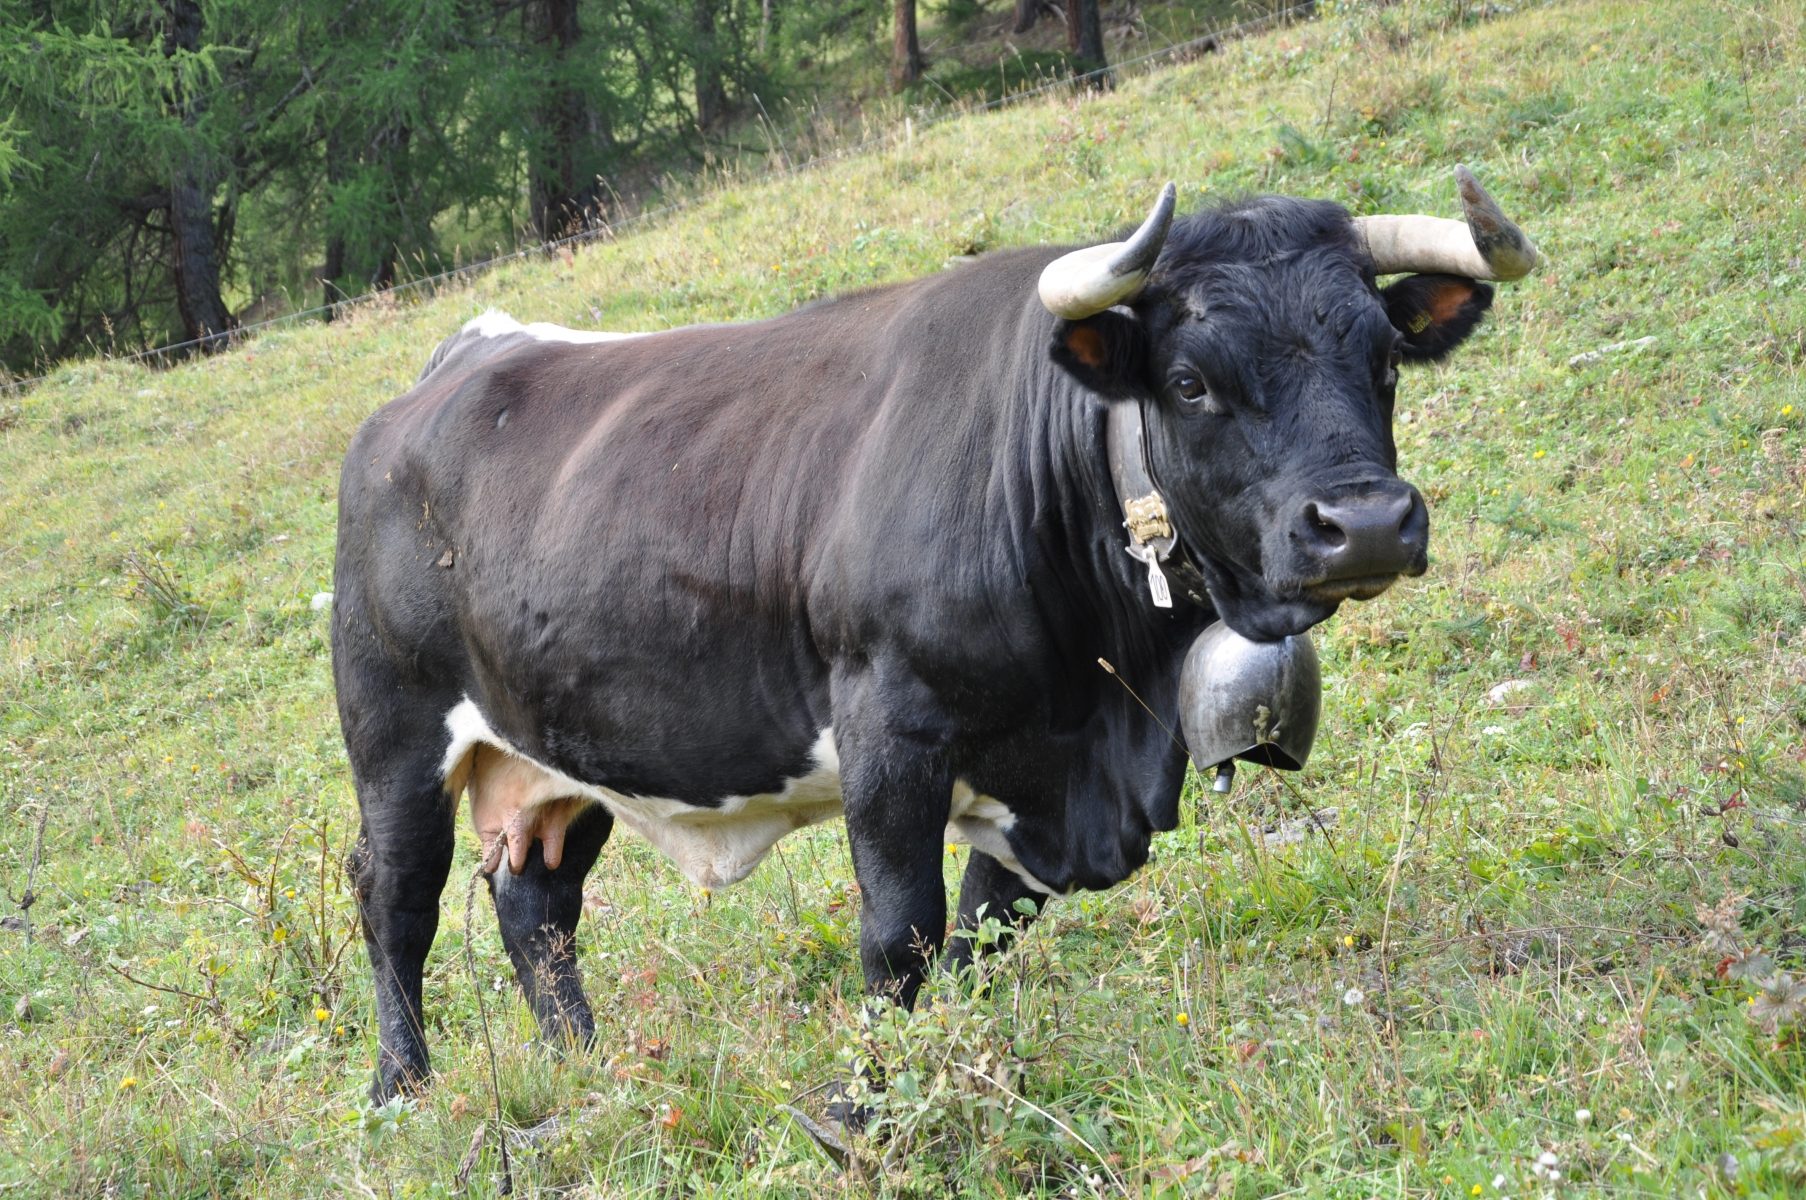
(171, 170)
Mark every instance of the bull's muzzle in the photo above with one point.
(1354, 546)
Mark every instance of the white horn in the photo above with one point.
(1487, 246)
(1086, 282)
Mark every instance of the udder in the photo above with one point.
(515, 802)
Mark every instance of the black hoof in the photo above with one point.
(392, 1081)
(831, 1143)
(846, 1112)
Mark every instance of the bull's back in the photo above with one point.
(603, 544)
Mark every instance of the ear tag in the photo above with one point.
(1157, 585)
(1163, 595)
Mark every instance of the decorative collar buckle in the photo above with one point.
(1146, 519)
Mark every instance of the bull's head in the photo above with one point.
(1265, 358)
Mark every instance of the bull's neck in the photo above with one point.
(1075, 521)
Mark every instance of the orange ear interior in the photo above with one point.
(1435, 312)
(1086, 344)
(1445, 300)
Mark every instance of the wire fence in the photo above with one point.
(912, 123)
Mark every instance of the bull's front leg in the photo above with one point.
(896, 808)
(897, 786)
(990, 889)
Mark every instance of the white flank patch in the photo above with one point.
(718, 846)
(712, 846)
(982, 823)
(495, 324)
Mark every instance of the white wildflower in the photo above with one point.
(1782, 1001)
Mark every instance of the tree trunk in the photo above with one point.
(1027, 13)
(391, 145)
(555, 191)
(205, 317)
(1085, 39)
(384, 279)
(711, 93)
(194, 178)
(332, 271)
(906, 52)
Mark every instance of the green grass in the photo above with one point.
(1501, 930)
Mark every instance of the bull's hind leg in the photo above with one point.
(398, 870)
(538, 910)
(539, 841)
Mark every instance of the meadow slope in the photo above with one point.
(1555, 934)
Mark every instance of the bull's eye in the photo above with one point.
(1191, 389)
(1392, 363)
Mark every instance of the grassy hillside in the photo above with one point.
(1503, 949)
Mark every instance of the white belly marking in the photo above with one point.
(712, 846)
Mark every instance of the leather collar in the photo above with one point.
(1153, 537)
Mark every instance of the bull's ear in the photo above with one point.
(1435, 312)
(1106, 353)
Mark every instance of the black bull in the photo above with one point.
(724, 581)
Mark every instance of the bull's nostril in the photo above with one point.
(1327, 531)
(1414, 526)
